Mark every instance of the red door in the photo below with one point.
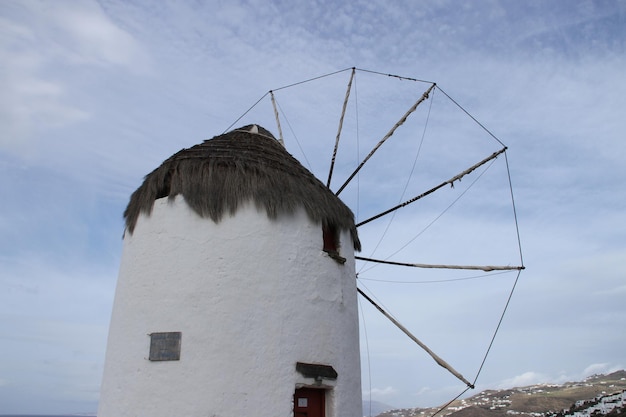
(309, 402)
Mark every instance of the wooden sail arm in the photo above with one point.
(437, 359)
(343, 113)
(280, 131)
(486, 268)
(432, 190)
(387, 136)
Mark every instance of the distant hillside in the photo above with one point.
(542, 400)
(376, 408)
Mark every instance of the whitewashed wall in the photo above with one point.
(251, 297)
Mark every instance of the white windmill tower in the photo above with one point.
(236, 294)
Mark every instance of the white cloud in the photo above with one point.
(533, 378)
(618, 291)
(94, 39)
(600, 368)
(30, 101)
(42, 42)
(525, 379)
(380, 392)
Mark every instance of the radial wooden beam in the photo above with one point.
(486, 268)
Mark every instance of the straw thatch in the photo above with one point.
(246, 164)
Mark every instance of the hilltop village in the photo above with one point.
(611, 404)
(598, 395)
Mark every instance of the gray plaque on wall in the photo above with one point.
(165, 346)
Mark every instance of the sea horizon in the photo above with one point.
(50, 415)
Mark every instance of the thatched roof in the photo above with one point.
(246, 164)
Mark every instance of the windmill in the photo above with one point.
(238, 284)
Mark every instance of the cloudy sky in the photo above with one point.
(96, 94)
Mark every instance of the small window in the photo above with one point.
(331, 243)
(165, 346)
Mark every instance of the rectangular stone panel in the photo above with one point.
(165, 346)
